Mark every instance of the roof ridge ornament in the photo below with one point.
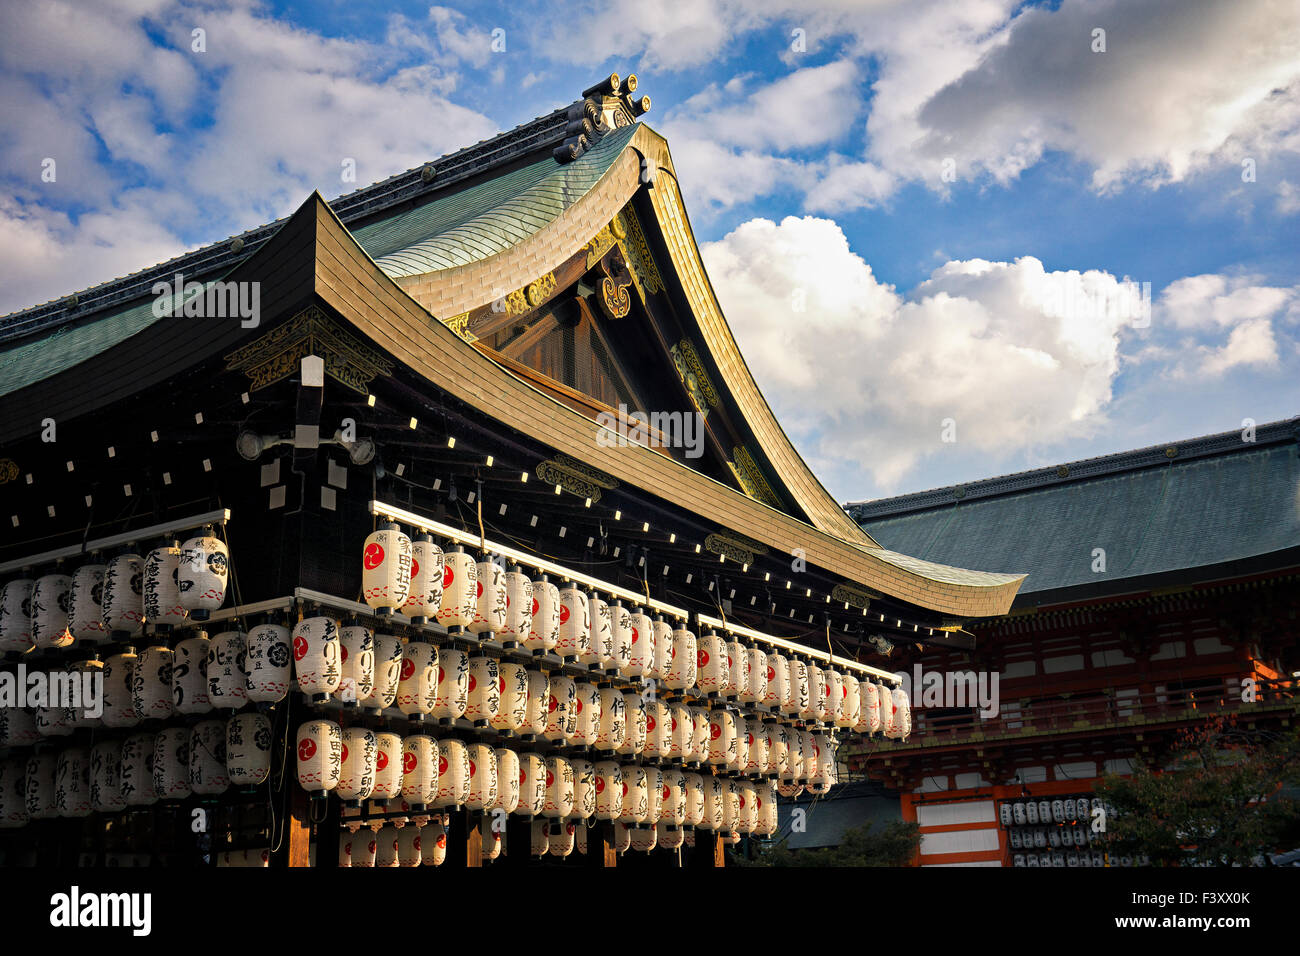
(605, 107)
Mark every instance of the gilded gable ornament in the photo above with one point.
(750, 477)
(277, 354)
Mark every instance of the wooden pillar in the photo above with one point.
(297, 828)
(473, 840)
(609, 856)
(710, 852)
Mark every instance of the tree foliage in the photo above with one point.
(893, 844)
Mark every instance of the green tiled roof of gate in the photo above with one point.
(1179, 515)
(490, 217)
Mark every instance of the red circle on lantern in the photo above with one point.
(442, 841)
(440, 673)
(371, 847)
(771, 673)
(472, 769)
(667, 792)
(635, 635)
(503, 685)
(534, 607)
(479, 589)
(344, 654)
(702, 657)
(673, 724)
(448, 575)
(381, 760)
(415, 567)
(374, 556)
(344, 758)
(715, 731)
(550, 778)
(472, 683)
(552, 704)
(625, 788)
(299, 648)
(564, 613)
(578, 706)
(409, 761)
(442, 765)
(600, 784)
(306, 749)
(408, 668)
(649, 723)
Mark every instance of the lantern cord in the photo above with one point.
(478, 502)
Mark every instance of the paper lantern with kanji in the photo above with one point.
(673, 807)
(227, 679)
(386, 846)
(319, 749)
(519, 608)
(722, 743)
(489, 828)
(693, 786)
(268, 663)
(16, 615)
(532, 784)
(41, 772)
(612, 731)
(51, 600)
(635, 800)
(540, 838)
(512, 711)
(356, 663)
(539, 697)
(484, 690)
(682, 657)
(389, 651)
(755, 746)
(248, 749)
(190, 675)
(765, 795)
(510, 779)
(737, 670)
(681, 731)
(424, 595)
(85, 607)
(433, 843)
(18, 727)
(747, 817)
(388, 766)
(575, 631)
(386, 569)
(609, 790)
(208, 773)
(561, 709)
(816, 706)
(587, 711)
(201, 574)
(162, 592)
(620, 619)
(123, 596)
(659, 730)
(482, 777)
(834, 694)
(365, 847)
(730, 805)
(711, 658)
(562, 838)
(641, 649)
(654, 777)
(56, 720)
(317, 657)
(869, 713)
(417, 688)
(602, 635)
(357, 766)
(702, 735)
(821, 775)
(668, 836)
(409, 846)
(849, 713)
(559, 787)
(171, 763)
(663, 649)
(643, 838)
(715, 799)
(799, 698)
(900, 713)
(636, 716)
(106, 777)
(778, 682)
(490, 606)
(151, 683)
(755, 686)
(740, 755)
(584, 789)
(544, 631)
(419, 771)
(72, 782)
(888, 710)
(459, 589)
(119, 702)
(136, 777)
(453, 773)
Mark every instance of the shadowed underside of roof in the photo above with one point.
(1185, 513)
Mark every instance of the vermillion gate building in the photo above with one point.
(380, 562)
(1163, 592)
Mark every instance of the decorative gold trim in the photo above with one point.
(852, 596)
(734, 546)
(575, 477)
(277, 354)
(637, 253)
(8, 470)
(594, 475)
(750, 477)
(460, 325)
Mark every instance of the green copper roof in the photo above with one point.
(490, 217)
(1177, 515)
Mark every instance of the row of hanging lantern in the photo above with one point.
(102, 603)
(137, 770)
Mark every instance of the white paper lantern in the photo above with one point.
(248, 749)
(490, 606)
(409, 846)
(823, 777)
(452, 698)
(815, 706)
(722, 741)
(755, 676)
(16, 615)
(669, 836)
(693, 811)
(227, 679)
(136, 778)
(491, 839)
(510, 778)
(482, 777)
(539, 696)
(357, 766)
(641, 651)
(575, 640)
(562, 838)
(51, 601)
(755, 747)
(40, 794)
(887, 711)
(85, 611)
(18, 727)
(388, 767)
(424, 595)
(512, 709)
(453, 773)
(433, 843)
(386, 846)
(386, 569)
(681, 731)
(202, 571)
(730, 805)
(654, 793)
(171, 763)
(559, 787)
(519, 608)
(417, 691)
(151, 683)
(419, 771)
(162, 590)
(587, 709)
(635, 801)
(778, 682)
(835, 692)
(72, 782)
(682, 663)
(737, 669)
(612, 731)
(622, 838)
(747, 817)
(799, 698)
(123, 596)
(365, 847)
(562, 709)
(740, 755)
(345, 847)
(357, 660)
(268, 662)
(584, 789)
(540, 838)
(659, 730)
(90, 713)
(636, 716)
(119, 705)
(55, 721)
(317, 654)
(869, 716)
(609, 790)
(715, 799)
(484, 690)
(767, 810)
(620, 619)
(532, 784)
(700, 739)
(901, 713)
(207, 770)
(643, 838)
(601, 656)
(544, 631)
(319, 748)
(459, 589)
(711, 658)
(106, 777)
(389, 651)
(664, 649)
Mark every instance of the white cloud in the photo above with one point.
(1250, 343)
(1210, 301)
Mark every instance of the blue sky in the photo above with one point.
(916, 214)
